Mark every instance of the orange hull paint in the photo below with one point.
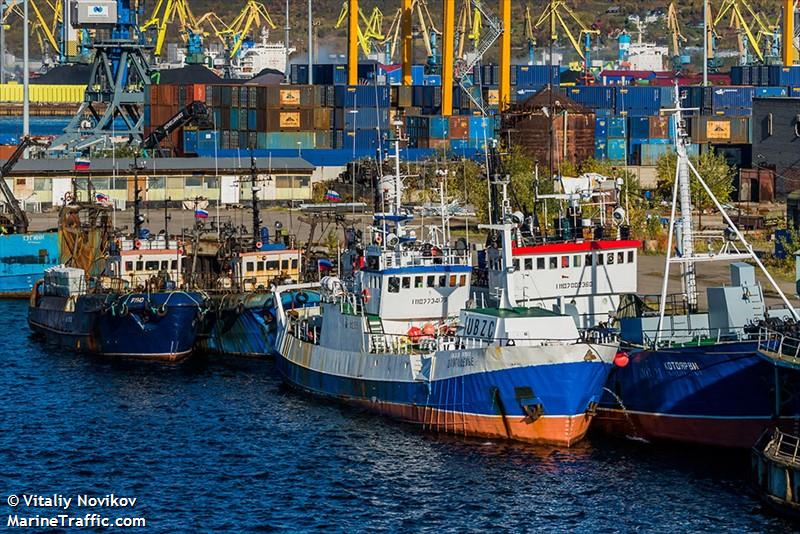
(561, 431)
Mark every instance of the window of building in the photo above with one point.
(553, 262)
(620, 257)
(272, 265)
(394, 284)
(41, 184)
(249, 268)
(528, 264)
(260, 265)
(211, 182)
(156, 182)
(417, 282)
(120, 183)
(540, 263)
(576, 261)
(431, 281)
(139, 265)
(630, 256)
(151, 265)
(588, 260)
(406, 282)
(564, 262)
(610, 259)
(462, 280)
(194, 181)
(128, 265)
(101, 183)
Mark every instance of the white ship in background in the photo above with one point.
(263, 55)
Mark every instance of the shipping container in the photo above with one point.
(771, 92)
(189, 141)
(728, 101)
(616, 150)
(595, 96)
(481, 128)
(439, 127)
(784, 76)
(601, 128)
(290, 140)
(640, 127)
(361, 119)
(535, 75)
(617, 127)
(660, 128)
(207, 141)
(459, 127)
(720, 130)
(298, 120)
(635, 101)
(361, 96)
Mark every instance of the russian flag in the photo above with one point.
(324, 264)
(200, 214)
(101, 198)
(333, 196)
(82, 164)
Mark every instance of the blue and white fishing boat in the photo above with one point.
(696, 376)
(115, 298)
(400, 337)
(23, 260)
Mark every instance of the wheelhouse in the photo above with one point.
(257, 270)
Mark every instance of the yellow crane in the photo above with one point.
(369, 29)
(530, 36)
(47, 29)
(747, 23)
(254, 15)
(164, 14)
(470, 23)
(558, 13)
(219, 28)
(427, 30)
(789, 52)
(674, 27)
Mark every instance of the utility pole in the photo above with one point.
(2, 42)
(286, 42)
(256, 215)
(310, 47)
(705, 43)
(26, 125)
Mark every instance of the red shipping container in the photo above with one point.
(459, 127)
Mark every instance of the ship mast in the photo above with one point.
(687, 235)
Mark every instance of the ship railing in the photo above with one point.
(688, 337)
(416, 259)
(779, 346)
(405, 344)
(781, 447)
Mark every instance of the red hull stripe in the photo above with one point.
(740, 432)
(586, 246)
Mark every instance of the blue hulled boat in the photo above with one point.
(23, 260)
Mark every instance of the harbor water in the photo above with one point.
(219, 445)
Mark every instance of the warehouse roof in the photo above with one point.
(239, 165)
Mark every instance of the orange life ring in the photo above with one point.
(365, 295)
(259, 244)
(137, 244)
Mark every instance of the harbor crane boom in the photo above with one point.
(20, 217)
(558, 13)
(673, 25)
(164, 14)
(253, 15)
(196, 112)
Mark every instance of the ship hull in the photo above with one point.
(245, 325)
(155, 326)
(719, 395)
(23, 260)
(477, 395)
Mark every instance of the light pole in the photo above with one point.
(705, 43)
(26, 126)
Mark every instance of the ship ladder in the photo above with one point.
(377, 335)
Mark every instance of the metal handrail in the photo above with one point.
(694, 335)
(778, 345)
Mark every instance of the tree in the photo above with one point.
(716, 173)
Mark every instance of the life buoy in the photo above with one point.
(378, 239)
(259, 244)
(301, 298)
(137, 244)
(365, 295)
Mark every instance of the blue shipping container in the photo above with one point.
(640, 127)
(359, 96)
(190, 141)
(365, 118)
(439, 127)
(779, 75)
(638, 101)
(728, 100)
(617, 127)
(540, 75)
(600, 128)
(207, 141)
(595, 96)
(771, 92)
(616, 150)
(481, 128)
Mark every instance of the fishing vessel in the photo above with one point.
(400, 337)
(696, 376)
(114, 297)
(775, 471)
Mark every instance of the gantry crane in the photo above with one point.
(674, 27)
(749, 25)
(530, 37)
(164, 14)
(39, 22)
(369, 29)
(468, 28)
(253, 16)
(788, 37)
(427, 30)
(556, 14)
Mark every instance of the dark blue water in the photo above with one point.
(210, 445)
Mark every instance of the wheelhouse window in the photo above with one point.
(528, 264)
(260, 265)
(431, 281)
(442, 281)
(250, 267)
(515, 263)
(630, 256)
(128, 265)
(285, 265)
(164, 265)
(406, 282)
(610, 258)
(564, 262)
(576, 261)
(620, 257)
(174, 265)
(151, 265)
(394, 284)
(540, 263)
(588, 260)
(272, 265)
(462, 280)
(417, 282)
(553, 262)
(600, 259)
(453, 280)
(139, 265)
